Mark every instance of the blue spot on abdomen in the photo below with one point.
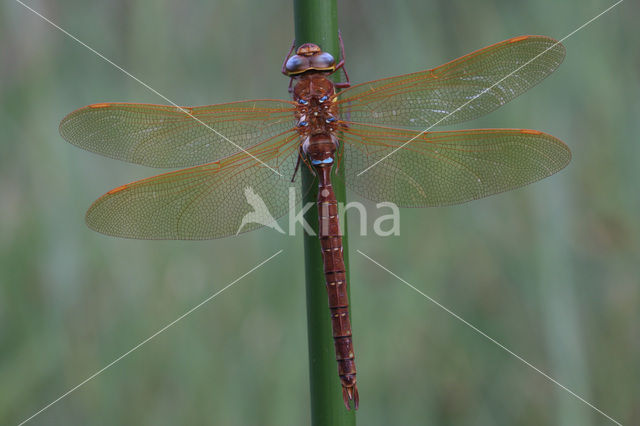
(326, 161)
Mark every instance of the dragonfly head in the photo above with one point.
(309, 57)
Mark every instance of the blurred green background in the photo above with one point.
(552, 270)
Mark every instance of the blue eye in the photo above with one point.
(325, 161)
(303, 124)
(322, 99)
(331, 119)
(302, 102)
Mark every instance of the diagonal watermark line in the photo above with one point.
(492, 86)
(149, 338)
(494, 341)
(148, 87)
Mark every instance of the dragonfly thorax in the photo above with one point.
(316, 110)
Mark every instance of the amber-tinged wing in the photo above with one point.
(460, 90)
(166, 136)
(441, 168)
(235, 194)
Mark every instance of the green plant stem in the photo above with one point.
(316, 21)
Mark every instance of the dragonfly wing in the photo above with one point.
(235, 194)
(442, 168)
(167, 136)
(461, 90)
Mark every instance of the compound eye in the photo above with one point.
(297, 64)
(323, 60)
(322, 99)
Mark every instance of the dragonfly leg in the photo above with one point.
(290, 89)
(340, 65)
(295, 171)
(313, 170)
(284, 63)
(339, 154)
(301, 157)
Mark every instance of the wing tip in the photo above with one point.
(565, 160)
(550, 40)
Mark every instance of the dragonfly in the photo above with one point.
(378, 134)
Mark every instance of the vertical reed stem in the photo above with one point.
(316, 21)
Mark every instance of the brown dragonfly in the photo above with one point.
(256, 147)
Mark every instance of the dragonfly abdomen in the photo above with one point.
(336, 281)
